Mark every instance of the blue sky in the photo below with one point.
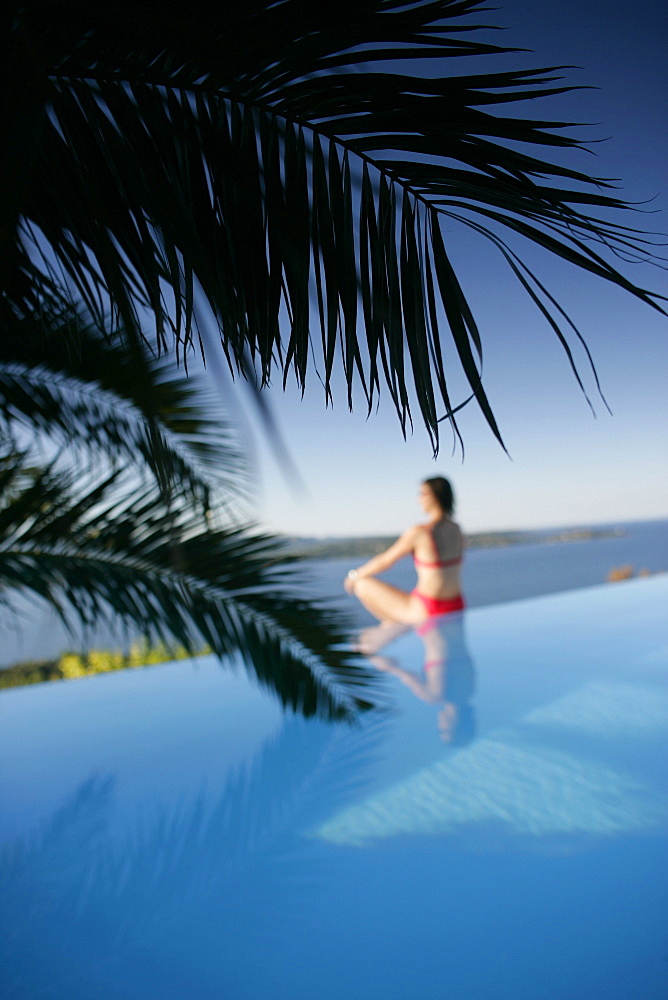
(566, 466)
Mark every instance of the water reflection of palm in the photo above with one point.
(447, 679)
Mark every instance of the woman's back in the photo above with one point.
(438, 555)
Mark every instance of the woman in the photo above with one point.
(437, 549)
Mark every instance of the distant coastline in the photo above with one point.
(342, 548)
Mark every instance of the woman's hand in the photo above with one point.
(350, 581)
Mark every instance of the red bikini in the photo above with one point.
(440, 606)
(436, 605)
(437, 565)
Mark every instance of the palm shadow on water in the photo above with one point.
(447, 676)
(99, 904)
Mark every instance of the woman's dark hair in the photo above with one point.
(442, 490)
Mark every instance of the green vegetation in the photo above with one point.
(96, 661)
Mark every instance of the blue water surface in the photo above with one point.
(499, 829)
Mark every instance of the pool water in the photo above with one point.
(499, 829)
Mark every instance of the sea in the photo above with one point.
(515, 572)
(490, 576)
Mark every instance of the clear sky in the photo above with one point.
(360, 477)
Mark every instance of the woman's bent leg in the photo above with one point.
(388, 603)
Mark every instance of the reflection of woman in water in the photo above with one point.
(447, 678)
(437, 550)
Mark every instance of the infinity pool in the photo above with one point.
(499, 832)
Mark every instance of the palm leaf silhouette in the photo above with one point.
(110, 552)
(104, 396)
(271, 168)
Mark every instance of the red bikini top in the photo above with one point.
(438, 563)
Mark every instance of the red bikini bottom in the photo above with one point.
(438, 606)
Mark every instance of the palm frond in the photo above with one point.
(105, 553)
(272, 162)
(102, 397)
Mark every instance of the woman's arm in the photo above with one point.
(402, 547)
